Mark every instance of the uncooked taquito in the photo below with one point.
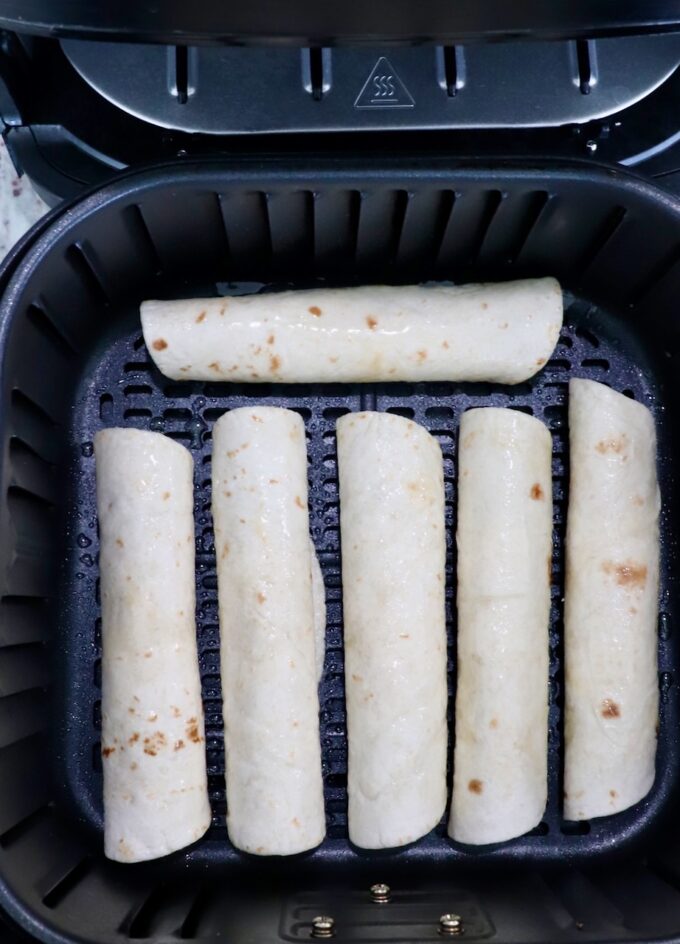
(393, 557)
(267, 628)
(153, 750)
(501, 332)
(504, 559)
(611, 603)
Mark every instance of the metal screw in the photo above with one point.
(450, 925)
(323, 926)
(380, 893)
(591, 146)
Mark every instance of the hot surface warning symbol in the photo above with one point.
(384, 89)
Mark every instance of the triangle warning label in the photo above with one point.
(384, 89)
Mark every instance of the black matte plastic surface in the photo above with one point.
(355, 21)
(73, 361)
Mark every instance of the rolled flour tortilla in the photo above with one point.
(393, 556)
(611, 603)
(267, 627)
(504, 557)
(153, 750)
(504, 332)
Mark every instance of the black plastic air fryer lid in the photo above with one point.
(326, 22)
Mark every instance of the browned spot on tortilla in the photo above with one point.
(214, 366)
(107, 751)
(475, 786)
(179, 745)
(242, 520)
(404, 635)
(192, 731)
(493, 723)
(183, 370)
(257, 350)
(610, 709)
(254, 375)
(445, 345)
(261, 598)
(298, 501)
(371, 322)
(315, 310)
(159, 344)
(616, 445)
(133, 765)
(632, 610)
(227, 494)
(166, 495)
(422, 355)
(357, 678)
(273, 481)
(369, 696)
(225, 550)
(549, 562)
(148, 654)
(536, 492)
(255, 418)
(200, 318)
(333, 360)
(628, 574)
(270, 339)
(295, 724)
(175, 711)
(274, 362)
(484, 305)
(291, 663)
(613, 793)
(295, 822)
(223, 308)
(154, 743)
(638, 500)
(540, 361)
(119, 542)
(503, 326)
(131, 711)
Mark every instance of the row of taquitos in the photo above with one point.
(393, 549)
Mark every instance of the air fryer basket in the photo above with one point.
(73, 361)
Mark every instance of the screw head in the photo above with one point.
(450, 925)
(380, 893)
(323, 926)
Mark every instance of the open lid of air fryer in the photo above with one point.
(88, 89)
(353, 21)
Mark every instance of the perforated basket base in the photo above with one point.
(126, 389)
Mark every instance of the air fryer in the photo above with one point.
(239, 212)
